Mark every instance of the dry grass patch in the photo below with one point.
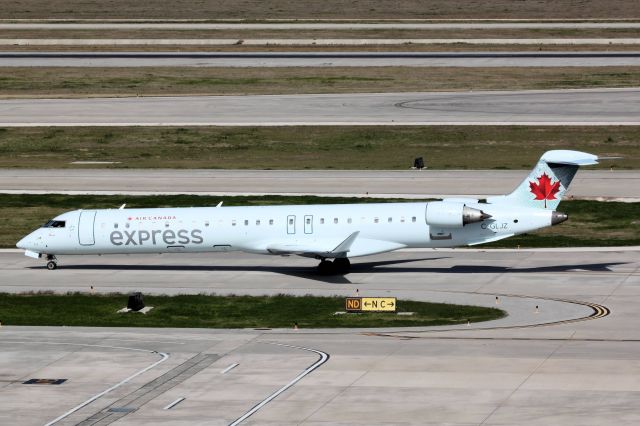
(312, 147)
(166, 81)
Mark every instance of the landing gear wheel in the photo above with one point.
(326, 267)
(51, 265)
(342, 265)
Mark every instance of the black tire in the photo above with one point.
(326, 267)
(342, 265)
(51, 265)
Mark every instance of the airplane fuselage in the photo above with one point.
(271, 229)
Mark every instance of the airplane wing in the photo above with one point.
(311, 250)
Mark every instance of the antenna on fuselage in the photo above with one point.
(220, 204)
(122, 206)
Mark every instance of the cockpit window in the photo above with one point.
(55, 224)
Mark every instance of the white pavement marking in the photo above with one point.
(321, 123)
(164, 357)
(430, 25)
(174, 403)
(309, 41)
(229, 368)
(323, 358)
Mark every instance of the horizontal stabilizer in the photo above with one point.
(574, 158)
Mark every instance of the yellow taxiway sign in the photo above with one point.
(371, 304)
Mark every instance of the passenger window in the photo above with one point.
(401, 219)
(233, 222)
(349, 220)
(115, 225)
(246, 222)
(270, 221)
(206, 223)
(322, 221)
(375, 220)
(335, 220)
(390, 220)
(413, 219)
(258, 222)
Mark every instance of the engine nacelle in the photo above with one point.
(453, 215)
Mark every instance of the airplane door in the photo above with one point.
(85, 228)
(308, 224)
(291, 224)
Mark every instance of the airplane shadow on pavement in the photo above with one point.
(386, 266)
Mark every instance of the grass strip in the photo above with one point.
(211, 311)
(312, 147)
(166, 81)
(591, 223)
(329, 9)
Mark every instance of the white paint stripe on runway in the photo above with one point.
(611, 122)
(408, 24)
(309, 41)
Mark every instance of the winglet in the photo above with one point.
(345, 246)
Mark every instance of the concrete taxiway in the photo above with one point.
(314, 59)
(588, 184)
(534, 107)
(582, 369)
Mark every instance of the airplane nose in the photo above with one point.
(27, 243)
(22, 244)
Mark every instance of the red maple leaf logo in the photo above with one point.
(544, 189)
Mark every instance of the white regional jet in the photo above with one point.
(322, 232)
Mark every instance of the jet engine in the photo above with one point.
(453, 215)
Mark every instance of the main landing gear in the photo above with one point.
(340, 265)
(52, 262)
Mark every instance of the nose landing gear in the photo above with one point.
(52, 262)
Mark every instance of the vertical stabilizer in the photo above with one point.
(548, 181)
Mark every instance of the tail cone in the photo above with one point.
(558, 217)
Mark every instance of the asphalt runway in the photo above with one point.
(534, 107)
(318, 59)
(573, 360)
(588, 184)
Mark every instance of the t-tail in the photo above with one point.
(548, 181)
